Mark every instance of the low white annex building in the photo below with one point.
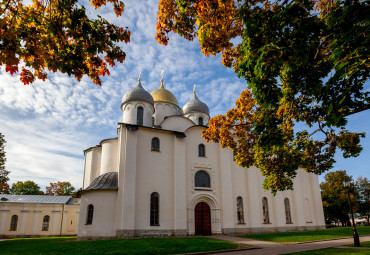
(38, 215)
(159, 177)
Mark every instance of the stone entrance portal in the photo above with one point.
(202, 213)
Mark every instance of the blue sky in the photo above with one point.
(48, 124)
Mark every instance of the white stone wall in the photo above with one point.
(87, 172)
(103, 223)
(177, 123)
(109, 156)
(163, 110)
(170, 172)
(95, 163)
(129, 111)
(63, 219)
(194, 116)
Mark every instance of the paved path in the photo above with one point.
(269, 248)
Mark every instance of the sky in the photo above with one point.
(47, 125)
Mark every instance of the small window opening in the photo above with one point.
(202, 179)
(45, 223)
(14, 223)
(90, 214)
(200, 121)
(154, 209)
(201, 150)
(239, 209)
(155, 144)
(140, 116)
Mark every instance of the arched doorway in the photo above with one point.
(202, 214)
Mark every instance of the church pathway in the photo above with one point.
(269, 248)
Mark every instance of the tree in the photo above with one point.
(25, 188)
(335, 197)
(363, 187)
(3, 172)
(60, 189)
(77, 193)
(304, 61)
(4, 188)
(58, 36)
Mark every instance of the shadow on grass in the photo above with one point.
(307, 236)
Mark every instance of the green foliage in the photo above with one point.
(124, 246)
(3, 172)
(335, 197)
(363, 188)
(60, 189)
(4, 188)
(304, 61)
(77, 193)
(25, 188)
(59, 36)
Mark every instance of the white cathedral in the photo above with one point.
(160, 178)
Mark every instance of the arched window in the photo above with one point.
(155, 144)
(45, 223)
(239, 210)
(288, 217)
(90, 214)
(154, 209)
(13, 223)
(200, 121)
(202, 179)
(140, 115)
(265, 209)
(201, 150)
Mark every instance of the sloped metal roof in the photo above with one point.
(107, 181)
(41, 199)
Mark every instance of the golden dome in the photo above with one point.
(164, 95)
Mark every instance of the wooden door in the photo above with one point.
(202, 219)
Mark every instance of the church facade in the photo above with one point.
(159, 178)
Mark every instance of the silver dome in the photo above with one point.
(138, 93)
(195, 105)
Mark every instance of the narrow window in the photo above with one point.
(155, 144)
(154, 209)
(288, 217)
(140, 115)
(201, 150)
(13, 223)
(265, 209)
(234, 154)
(90, 214)
(239, 209)
(200, 121)
(202, 179)
(45, 223)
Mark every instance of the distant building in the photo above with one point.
(38, 215)
(159, 177)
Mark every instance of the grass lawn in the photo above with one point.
(330, 233)
(64, 245)
(335, 251)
